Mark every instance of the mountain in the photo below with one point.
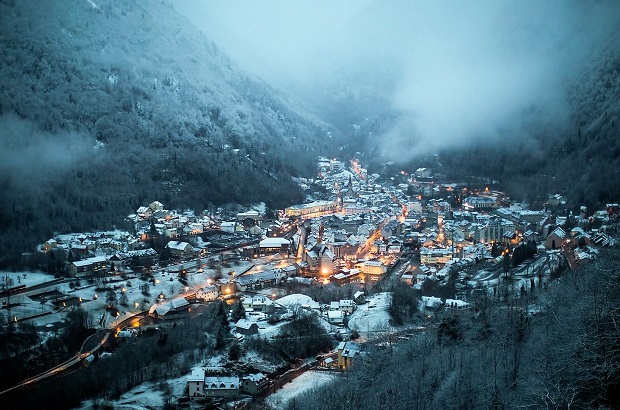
(106, 105)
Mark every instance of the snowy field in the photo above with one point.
(143, 397)
(23, 278)
(372, 316)
(305, 382)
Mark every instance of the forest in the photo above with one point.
(97, 118)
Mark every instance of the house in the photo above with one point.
(245, 327)
(196, 383)
(347, 306)
(259, 303)
(359, 297)
(136, 258)
(374, 268)
(170, 309)
(326, 361)
(435, 256)
(346, 276)
(335, 317)
(90, 266)
(220, 386)
(348, 352)
(457, 304)
(231, 226)
(50, 244)
(180, 250)
(555, 239)
(260, 280)
(274, 245)
(208, 293)
(407, 279)
(227, 287)
(254, 383)
(430, 303)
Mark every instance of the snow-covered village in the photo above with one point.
(367, 262)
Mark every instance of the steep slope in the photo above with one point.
(107, 104)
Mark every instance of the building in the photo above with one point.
(196, 383)
(348, 352)
(137, 258)
(258, 303)
(346, 276)
(221, 386)
(245, 327)
(254, 383)
(555, 239)
(260, 280)
(208, 293)
(359, 297)
(479, 202)
(429, 256)
(180, 250)
(170, 309)
(274, 245)
(91, 266)
(335, 317)
(312, 210)
(347, 306)
(374, 268)
(492, 229)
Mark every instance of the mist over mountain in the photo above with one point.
(107, 104)
(406, 78)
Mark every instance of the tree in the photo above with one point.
(110, 298)
(235, 352)
(403, 305)
(124, 300)
(237, 312)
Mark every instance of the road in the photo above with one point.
(90, 345)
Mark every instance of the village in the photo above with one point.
(338, 257)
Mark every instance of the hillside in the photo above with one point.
(105, 105)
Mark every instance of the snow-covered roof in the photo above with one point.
(89, 261)
(273, 242)
(178, 245)
(244, 324)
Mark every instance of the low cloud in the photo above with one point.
(30, 157)
(453, 72)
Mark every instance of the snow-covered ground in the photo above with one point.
(298, 299)
(144, 396)
(24, 278)
(372, 316)
(306, 381)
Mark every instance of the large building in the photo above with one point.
(479, 202)
(312, 210)
(90, 266)
(493, 230)
(430, 256)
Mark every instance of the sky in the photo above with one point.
(451, 71)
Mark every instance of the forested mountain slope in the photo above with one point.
(105, 105)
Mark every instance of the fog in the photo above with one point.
(451, 72)
(30, 157)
